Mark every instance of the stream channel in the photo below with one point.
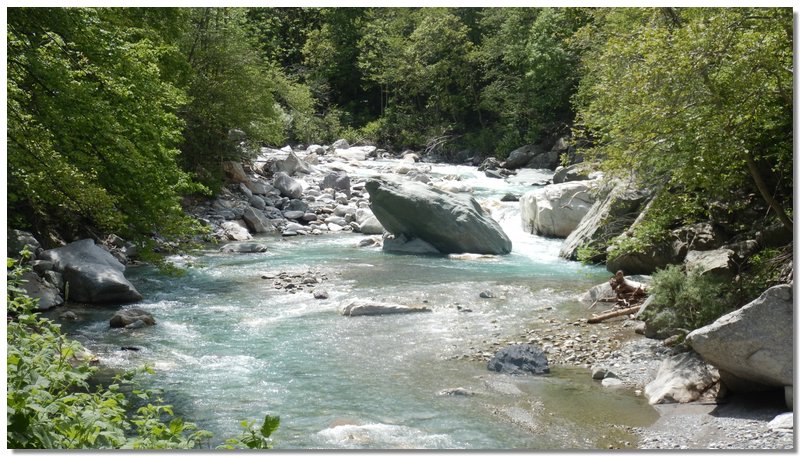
(230, 346)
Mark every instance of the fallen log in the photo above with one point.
(615, 313)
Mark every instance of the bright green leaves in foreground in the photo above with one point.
(50, 404)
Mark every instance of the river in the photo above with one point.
(230, 346)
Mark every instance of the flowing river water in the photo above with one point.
(230, 346)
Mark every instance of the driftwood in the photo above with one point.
(614, 313)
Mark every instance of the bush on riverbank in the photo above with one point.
(51, 405)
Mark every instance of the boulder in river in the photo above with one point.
(246, 247)
(337, 180)
(125, 317)
(450, 223)
(291, 165)
(556, 210)
(753, 343)
(92, 274)
(531, 156)
(359, 307)
(520, 359)
(37, 288)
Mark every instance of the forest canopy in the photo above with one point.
(115, 114)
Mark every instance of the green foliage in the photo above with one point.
(686, 301)
(92, 124)
(50, 404)
(695, 100)
(254, 437)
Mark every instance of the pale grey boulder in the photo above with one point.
(337, 180)
(556, 210)
(683, 378)
(246, 247)
(360, 307)
(450, 223)
(235, 231)
(291, 165)
(753, 343)
(715, 263)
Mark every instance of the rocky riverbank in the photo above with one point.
(741, 422)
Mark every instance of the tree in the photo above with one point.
(92, 124)
(693, 101)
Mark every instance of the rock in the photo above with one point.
(519, 359)
(288, 187)
(401, 244)
(257, 202)
(601, 372)
(369, 242)
(370, 225)
(246, 191)
(411, 157)
(235, 232)
(291, 165)
(612, 382)
(450, 223)
(235, 172)
(337, 180)
(293, 215)
(463, 392)
(698, 236)
(605, 220)
(55, 279)
(486, 294)
(48, 295)
(572, 173)
(315, 149)
(249, 247)
(136, 325)
(92, 274)
(453, 187)
(363, 307)
(125, 317)
(68, 315)
(41, 266)
(490, 163)
(256, 221)
(355, 153)
(340, 144)
(682, 378)
(258, 187)
(717, 263)
(531, 156)
(320, 294)
(782, 423)
(556, 210)
(647, 261)
(17, 240)
(510, 197)
(753, 343)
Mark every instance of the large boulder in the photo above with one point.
(451, 223)
(18, 240)
(359, 153)
(367, 222)
(716, 263)
(256, 221)
(572, 173)
(235, 231)
(358, 308)
(645, 261)
(337, 180)
(291, 165)
(288, 187)
(753, 343)
(683, 378)
(532, 156)
(245, 247)
(556, 210)
(519, 359)
(616, 208)
(91, 274)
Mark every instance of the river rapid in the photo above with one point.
(230, 346)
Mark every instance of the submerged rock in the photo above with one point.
(520, 359)
(362, 307)
(124, 318)
(450, 223)
(249, 247)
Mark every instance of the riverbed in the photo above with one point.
(231, 345)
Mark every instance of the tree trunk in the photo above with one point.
(616, 313)
(762, 188)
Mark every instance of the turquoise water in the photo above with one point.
(230, 346)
